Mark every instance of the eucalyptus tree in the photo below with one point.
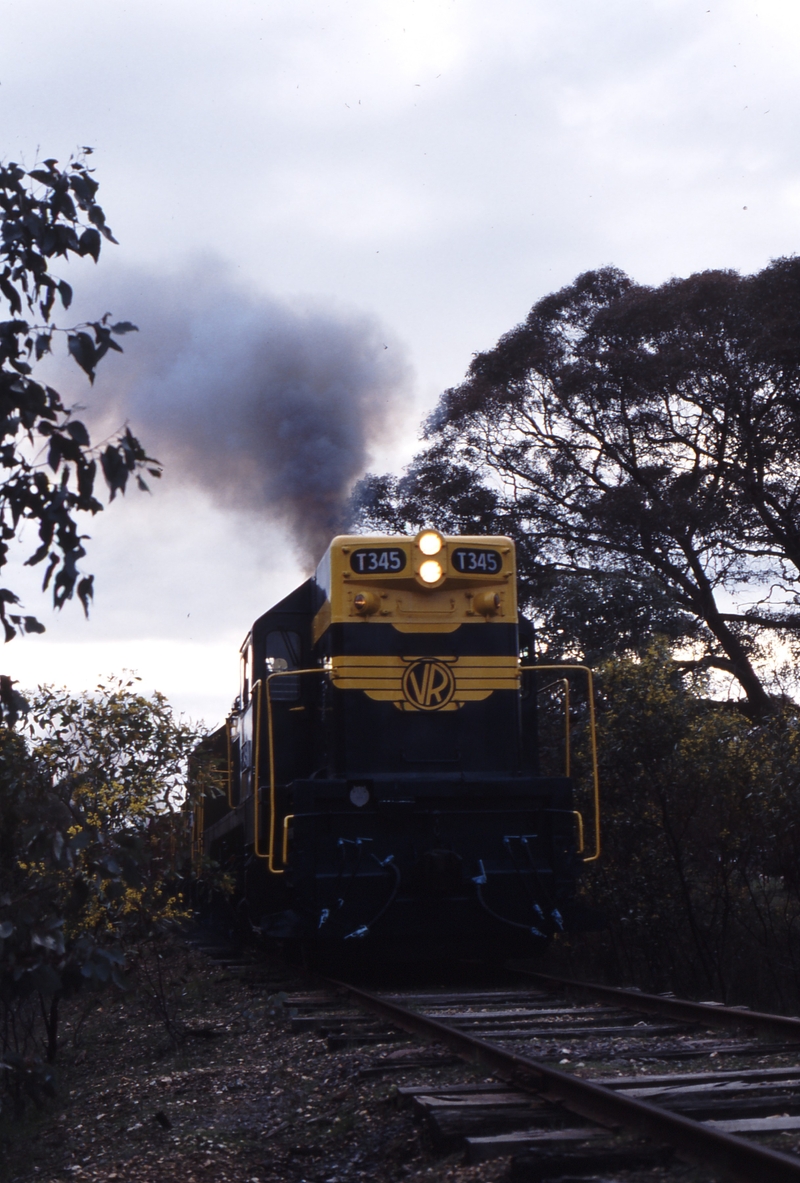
(640, 437)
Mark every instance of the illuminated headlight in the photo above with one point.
(430, 571)
(430, 543)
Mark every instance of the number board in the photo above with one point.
(377, 560)
(472, 561)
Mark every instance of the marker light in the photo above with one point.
(486, 603)
(430, 571)
(366, 603)
(430, 543)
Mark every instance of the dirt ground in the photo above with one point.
(240, 1099)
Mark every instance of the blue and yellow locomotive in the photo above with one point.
(382, 762)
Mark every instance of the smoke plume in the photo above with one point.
(270, 408)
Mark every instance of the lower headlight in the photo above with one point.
(430, 571)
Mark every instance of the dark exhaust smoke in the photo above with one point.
(272, 409)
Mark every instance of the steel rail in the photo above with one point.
(740, 1160)
(709, 1014)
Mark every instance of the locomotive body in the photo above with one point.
(382, 762)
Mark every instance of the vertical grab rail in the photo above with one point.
(269, 853)
(230, 761)
(584, 669)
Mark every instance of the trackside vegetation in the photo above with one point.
(94, 866)
(91, 822)
(700, 880)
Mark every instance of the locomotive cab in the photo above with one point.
(384, 780)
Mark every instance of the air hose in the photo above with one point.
(364, 929)
(480, 881)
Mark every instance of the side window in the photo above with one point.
(283, 654)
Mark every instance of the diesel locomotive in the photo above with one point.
(382, 784)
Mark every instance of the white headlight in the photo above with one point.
(430, 543)
(430, 571)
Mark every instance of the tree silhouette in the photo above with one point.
(49, 467)
(639, 436)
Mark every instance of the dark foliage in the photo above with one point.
(638, 436)
(49, 467)
(698, 880)
(93, 853)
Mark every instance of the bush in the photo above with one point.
(94, 847)
(699, 879)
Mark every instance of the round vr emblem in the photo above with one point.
(428, 685)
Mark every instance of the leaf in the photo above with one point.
(6, 929)
(82, 348)
(115, 470)
(45, 178)
(43, 343)
(65, 292)
(54, 452)
(86, 475)
(52, 563)
(89, 244)
(79, 433)
(32, 625)
(11, 294)
(124, 326)
(85, 592)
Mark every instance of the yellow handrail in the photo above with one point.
(289, 818)
(593, 741)
(230, 762)
(579, 819)
(269, 854)
(255, 699)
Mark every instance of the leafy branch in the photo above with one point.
(49, 214)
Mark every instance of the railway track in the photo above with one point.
(575, 1079)
(585, 1079)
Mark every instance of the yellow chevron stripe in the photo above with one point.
(401, 680)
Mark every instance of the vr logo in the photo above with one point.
(428, 685)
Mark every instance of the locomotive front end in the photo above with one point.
(384, 781)
(423, 824)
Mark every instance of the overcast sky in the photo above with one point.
(319, 198)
